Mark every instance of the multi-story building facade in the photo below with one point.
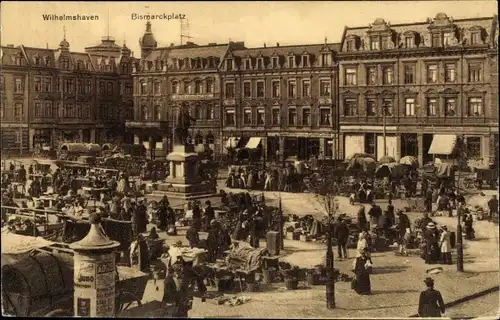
(52, 96)
(169, 80)
(428, 81)
(282, 98)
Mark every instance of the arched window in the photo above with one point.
(210, 86)
(144, 113)
(198, 87)
(175, 87)
(198, 113)
(187, 88)
(144, 87)
(210, 112)
(158, 113)
(157, 87)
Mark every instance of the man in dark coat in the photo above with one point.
(428, 199)
(139, 218)
(375, 213)
(431, 304)
(404, 223)
(209, 214)
(492, 207)
(390, 212)
(342, 234)
(362, 222)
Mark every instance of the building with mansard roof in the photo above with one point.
(281, 99)
(51, 96)
(429, 82)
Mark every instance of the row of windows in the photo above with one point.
(292, 91)
(198, 87)
(258, 117)
(474, 107)
(82, 86)
(75, 111)
(432, 74)
(291, 61)
(412, 39)
(200, 113)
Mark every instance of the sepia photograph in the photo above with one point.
(250, 159)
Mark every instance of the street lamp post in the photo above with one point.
(460, 247)
(330, 281)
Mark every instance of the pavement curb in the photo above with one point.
(466, 298)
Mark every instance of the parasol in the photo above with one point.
(366, 164)
(409, 161)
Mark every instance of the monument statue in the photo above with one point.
(181, 131)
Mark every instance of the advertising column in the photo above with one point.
(94, 273)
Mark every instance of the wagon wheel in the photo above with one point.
(59, 313)
(125, 299)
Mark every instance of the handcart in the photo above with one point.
(130, 288)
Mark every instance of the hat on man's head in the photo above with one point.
(429, 281)
(431, 225)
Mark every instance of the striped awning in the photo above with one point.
(443, 144)
(253, 143)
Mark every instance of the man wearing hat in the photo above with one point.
(431, 304)
(342, 234)
(492, 207)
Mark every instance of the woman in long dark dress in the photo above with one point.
(363, 285)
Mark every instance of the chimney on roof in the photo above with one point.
(277, 44)
(265, 45)
(172, 44)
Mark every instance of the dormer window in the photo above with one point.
(79, 65)
(47, 61)
(409, 42)
(18, 61)
(436, 40)
(325, 59)
(305, 60)
(229, 64)
(291, 62)
(275, 62)
(374, 43)
(350, 45)
(64, 63)
(150, 65)
(248, 64)
(37, 61)
(260, 63)
(200, 63)
(475, 37)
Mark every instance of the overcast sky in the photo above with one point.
(255, 23)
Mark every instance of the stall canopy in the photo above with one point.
(17, 244)
(409, 161)
(232, 142)
(365, 164)
(80, 147)
(395, 170)
(253, 143)
(443, 144)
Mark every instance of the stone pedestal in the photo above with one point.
(183, 180)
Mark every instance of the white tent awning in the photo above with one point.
(253, 142)
(443, 144)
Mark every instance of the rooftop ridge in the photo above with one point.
(423, 22)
